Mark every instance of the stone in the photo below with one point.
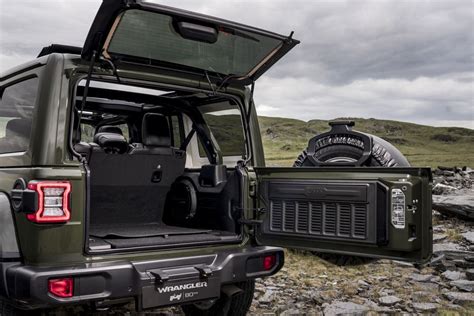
(469, 258)
(460, 297)
(440, 189)
(464, 264)
(464, 285)
(345, 308)
(267, 297)
(421, 277)
(363, 284)
(439, 237)
(290, 312)
(389, 300)
(470, 274)
(462, 205)
(469, 236)
(450, 246)
(425, 307)
(453, 275)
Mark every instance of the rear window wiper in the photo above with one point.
(239, 34)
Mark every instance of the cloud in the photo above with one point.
(433, 101)
(395, 59)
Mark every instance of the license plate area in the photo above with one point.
(179, 288)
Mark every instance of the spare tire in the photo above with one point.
(336, 149)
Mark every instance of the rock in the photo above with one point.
(439, 237)
(363, 284)
(290, 312)
(439, 228)
(463, 264)
(440, 189)
(470, 274)
(453, 275)
(345, 308)
(266, 298)
(469, 236)
(421, 277)
(464, 285)
(469, 258)
(389, 300)
(425, 307)
(462, 205)
(446, 247)
(460, 297)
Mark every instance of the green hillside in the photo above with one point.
(284, 139)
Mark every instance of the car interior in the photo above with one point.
(155, 180)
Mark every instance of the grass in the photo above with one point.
(284, 139)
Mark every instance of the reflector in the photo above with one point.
(61, 287)
(269, 262)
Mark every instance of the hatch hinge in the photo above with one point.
(253, 188)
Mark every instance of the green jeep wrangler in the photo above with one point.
(132, 169)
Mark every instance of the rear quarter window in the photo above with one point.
(225, 122)
(16, 115)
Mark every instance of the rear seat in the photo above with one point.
(108, 139)
(132, 187)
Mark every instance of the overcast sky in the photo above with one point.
(407, 60)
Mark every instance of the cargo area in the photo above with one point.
(154, 180)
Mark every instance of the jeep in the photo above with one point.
(132, 170)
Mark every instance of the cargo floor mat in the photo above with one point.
(157, 241)
(142, 230)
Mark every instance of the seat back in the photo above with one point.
(132, 187)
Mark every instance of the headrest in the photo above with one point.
(155, 130)
(109, 129)
(18, 128)
(111, 142)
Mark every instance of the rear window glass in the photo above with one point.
(176, 130)
(152, 36)
(16, 115)
(225, 122)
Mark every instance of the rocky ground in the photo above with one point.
(453, 191)
(310, 285)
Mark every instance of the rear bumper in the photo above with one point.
(28, 286)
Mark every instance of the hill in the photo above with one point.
(284, 139)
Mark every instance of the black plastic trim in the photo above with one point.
(27, 285)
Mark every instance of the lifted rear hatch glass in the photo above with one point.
(147, 33)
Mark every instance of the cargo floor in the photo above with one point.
(141, 230)
(103, 237)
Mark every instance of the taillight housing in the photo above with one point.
(63, 287)
(53, 201)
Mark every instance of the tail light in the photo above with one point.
(61, 287)
(52, 202)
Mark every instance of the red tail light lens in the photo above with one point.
(61, 287)
(53, 202)
(269, 262)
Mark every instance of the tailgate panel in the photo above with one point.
(324, 210)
